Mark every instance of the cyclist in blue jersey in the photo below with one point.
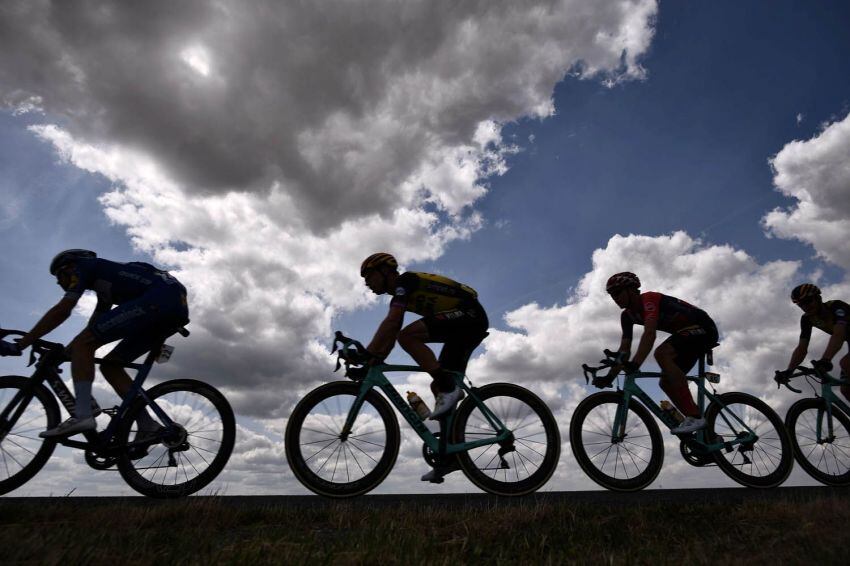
(150, 305)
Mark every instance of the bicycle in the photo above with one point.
(343, 438)
(618, 444)
(820, 447)
(190, 448)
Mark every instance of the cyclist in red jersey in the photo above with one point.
(831, 317)
(692, 334)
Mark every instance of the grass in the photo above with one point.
(212, 531)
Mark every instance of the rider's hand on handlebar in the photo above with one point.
(782, 376)
(822, 366)
(9, 348)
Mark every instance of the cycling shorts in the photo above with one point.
(142, 323)
(460, 330)
(690, 343)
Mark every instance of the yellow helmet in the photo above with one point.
(377, 260)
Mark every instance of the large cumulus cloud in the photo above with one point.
(816, 172)
(345, 105)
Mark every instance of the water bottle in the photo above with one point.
(671, 410)
(418, 405)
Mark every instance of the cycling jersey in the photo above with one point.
(673, 315)
(427, 294)
(116, 283)
(151, 303)
(450, 311)
(833, 313)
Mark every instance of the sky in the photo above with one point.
(531, 150)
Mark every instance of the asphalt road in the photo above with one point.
(606, 498)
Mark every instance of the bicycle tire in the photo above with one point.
(599, 431)
(189, 446)
(818, 459)
(322, 434)
(15, 472)
(765, 457)
(526, 450)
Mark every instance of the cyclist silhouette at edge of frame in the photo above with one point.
(451, 314)
(150, 306)
(828, 316)
(692, 332)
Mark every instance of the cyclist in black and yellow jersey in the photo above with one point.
(830, 316)
(451, 315)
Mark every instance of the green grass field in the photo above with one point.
(212, 531)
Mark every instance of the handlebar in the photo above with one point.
(782, 379)
(38, 348)
(350, 352)
(611, 359)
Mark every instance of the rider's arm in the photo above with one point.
(57, 314)
(799, 353)
(646, 341)
(384, 340)
(839, 334)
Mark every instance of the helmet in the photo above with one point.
(377, 260)
(622, 280)
(804, 291)
(64, 258)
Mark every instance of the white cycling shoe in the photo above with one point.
(690, 424)
(436, 474)
(445, 401)
(70, 427)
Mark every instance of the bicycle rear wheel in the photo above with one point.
(826, 457)
(326, 461)
(22, 452)
(177, 462)
(763, 463)
(626, 463)
(533, 453)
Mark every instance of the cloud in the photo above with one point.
(347, 107)
(815, 172)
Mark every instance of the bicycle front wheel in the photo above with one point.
(622, 462)
(22, 452)
(525, 463)
(825, 457)
(179, 461)
(331, 463)
(763, 463)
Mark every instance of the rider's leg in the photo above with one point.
(112, 369)
(82, 348)
(412, 338)
(844, 364)
(673, 381)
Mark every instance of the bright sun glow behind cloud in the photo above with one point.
(197, 58)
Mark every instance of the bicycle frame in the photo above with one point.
(632, 389)
(376, 378)
(47, 370)
(830, 398)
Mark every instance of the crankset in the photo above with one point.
(99, 461)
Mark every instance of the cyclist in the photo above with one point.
(451, 314)
(829, 316)
(151, 305)
(692, 334)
